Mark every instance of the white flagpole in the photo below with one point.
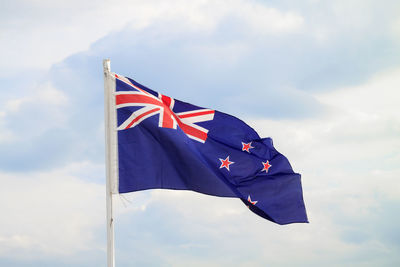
(109, 128)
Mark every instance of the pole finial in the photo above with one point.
(106, 65)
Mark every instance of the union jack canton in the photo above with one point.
(163, 106)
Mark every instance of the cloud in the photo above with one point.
(56, 31)
(35, 129)
(53, 214)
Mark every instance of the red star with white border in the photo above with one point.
(225, 163)
(252, 202)
(266, 166)
(246, 147)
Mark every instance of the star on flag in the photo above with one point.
(246, 147)
(225, 163)
(252, 202)
(266, 166)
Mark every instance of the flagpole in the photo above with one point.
(109, 175)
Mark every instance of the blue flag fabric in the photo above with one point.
(169, 144)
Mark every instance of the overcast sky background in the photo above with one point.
(321, 78)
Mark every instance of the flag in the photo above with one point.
(165, 143)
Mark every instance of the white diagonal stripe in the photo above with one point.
(136, 114)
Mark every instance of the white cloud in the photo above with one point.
(49, 214)
(395, 30)
(337, 21)
(376, 100)
(44, 105)
(45, 95)
(266, 20)
(45, 33)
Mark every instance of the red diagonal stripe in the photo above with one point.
(187, 129)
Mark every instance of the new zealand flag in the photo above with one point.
(166, 143)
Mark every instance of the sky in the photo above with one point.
(321, 78)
